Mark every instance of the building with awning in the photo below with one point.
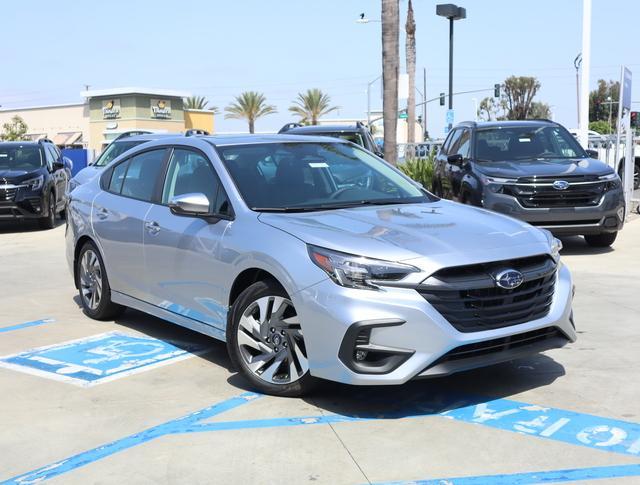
(106, 113)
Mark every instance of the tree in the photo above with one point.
(601, 127)
(390, 66)
(489, 109)
(599, 103)
(250, 105)
(410, 48)
(312, 105)
(199, 102)
(539, 111)
(519, 92)
(14, 130)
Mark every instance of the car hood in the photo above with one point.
(557, 167)
(86, 174)
(16, 176)
(447, 232)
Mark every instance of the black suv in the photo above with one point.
(535, 171)
(358, 134)
(33, 181)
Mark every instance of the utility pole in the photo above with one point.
(424, 106)
(586, 68)
(576, 63)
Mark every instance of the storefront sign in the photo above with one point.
(111, 109)
(161, 108)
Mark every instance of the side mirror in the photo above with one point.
(68, 162)
(455, 159)
(592, 153)
(58, 165)
(195, 204)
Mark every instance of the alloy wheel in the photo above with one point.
(91, 279)
(270, 341)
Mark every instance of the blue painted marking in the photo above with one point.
(91, 456)
(567, 426)
(20, 326)
(99, 358)
(555, 476)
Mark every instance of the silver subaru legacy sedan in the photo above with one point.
(312, 258)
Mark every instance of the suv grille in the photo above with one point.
(587, 192)
(7, 194)
(467, 296)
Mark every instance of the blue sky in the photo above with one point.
(281, 47)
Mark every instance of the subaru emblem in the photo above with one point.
(509, 279)
(561, 185)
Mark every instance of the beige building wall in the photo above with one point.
(198, 119)
(51, 120)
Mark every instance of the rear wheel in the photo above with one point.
(49, 221)
(603, 240)
(265, 341)
(93, 285)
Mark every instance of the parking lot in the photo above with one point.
(139, 400)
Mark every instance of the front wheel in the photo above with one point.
(93, 285)
(265, 341)
(603, 240)
(49, 221)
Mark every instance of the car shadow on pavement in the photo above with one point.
(577, 246)
(11, 227)
(431, 396)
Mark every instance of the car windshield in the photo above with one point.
(20, 157)
(315, 176)
(526, 143)
(114, 150)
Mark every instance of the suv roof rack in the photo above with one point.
(44, 140)
(195, 132)
(289, 126)
(127, 134)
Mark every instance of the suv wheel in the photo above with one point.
(49, 221)
(93, 285)
(603, 240)
(265, 341)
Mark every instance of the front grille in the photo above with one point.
(497, 345)
(538, 193)
(571, 222)
(468, 298)
(8, 194)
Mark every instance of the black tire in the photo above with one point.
(246, 300)
(105, 309)
(49, 221)
(602, 240)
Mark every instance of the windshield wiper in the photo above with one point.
(289, 209)
(324, 207)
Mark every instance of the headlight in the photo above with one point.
(494, 184)
(357, 271)
(556, 247)
(613, 181)
(73, 183)
(34, 183)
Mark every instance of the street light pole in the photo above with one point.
(451, 12)
(369, 100)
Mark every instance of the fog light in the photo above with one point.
(611, 222)
(361, 355)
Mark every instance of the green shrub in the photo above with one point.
(420, 169)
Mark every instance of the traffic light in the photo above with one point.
(635, 119)
(441, 99)
(496, 90)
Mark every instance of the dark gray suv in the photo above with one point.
(535, 171)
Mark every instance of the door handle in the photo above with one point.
(152, 227)
(102, 213)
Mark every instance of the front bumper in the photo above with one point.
(403, 320)
(23, 206)
(607, 216)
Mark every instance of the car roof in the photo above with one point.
(506, 123)
(146, 137)
(226, 140)
(324, 128)
(24, 142)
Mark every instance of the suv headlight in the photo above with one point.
(494, 184)
(34, 183)
(613, 181)
(357, 271)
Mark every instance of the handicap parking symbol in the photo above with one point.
(100, 358)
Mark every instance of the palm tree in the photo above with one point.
(198, 102)
(312, 105)
(410, 48)
(390, 66)
(250, 105)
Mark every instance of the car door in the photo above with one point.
(183, 253)
(118, 216)
(444, 167)
(457, 170)
(59, 175)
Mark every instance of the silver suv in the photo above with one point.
(312, 258)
